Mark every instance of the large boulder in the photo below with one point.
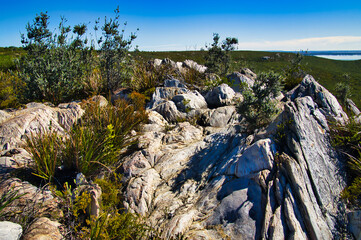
(219, 117)
(37, 119)
(240, 81)
(327, 103)
(189, 101)
(10, 231)
(170, 111)
(43, 228)
(162, 94)
(220, 96)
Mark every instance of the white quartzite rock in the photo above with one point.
(220, 96)
(10, 231)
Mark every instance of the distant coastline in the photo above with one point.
(338, 52)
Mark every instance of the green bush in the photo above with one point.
(64, 65)
(294, 72)
(94, 143)
(258, 106)
(115, 64)
(343, 89)
(46, 150)
(9, 90)
(347, 139)
(54, 67)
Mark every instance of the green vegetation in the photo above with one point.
(343, 90)
(327, 72)
(54, 67)
(93, 145)
(294, 72)
(218, 55)
(258, 106)
(114, 61)
(347, 139)
(45, 149)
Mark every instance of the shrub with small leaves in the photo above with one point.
(343, 89)
(347, 139)
(218, 55)
(259, 105)
(10, 86)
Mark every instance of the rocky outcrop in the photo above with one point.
(43, 228)
(225, 183)
(32, 200)
(198, 172)
(37, 118)
(327, 102)
(181, 66)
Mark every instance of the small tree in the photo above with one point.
(54, 66)
(258, 106)
(218, 56)
(295, 72)
(343, 90)
(114, 59)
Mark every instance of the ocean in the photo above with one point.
(341, 57)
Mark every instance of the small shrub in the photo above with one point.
(258, 107)
(347, 139)
(9, 86)
(115, 64)
(74, 206)
(86, 150)
(295, 72)
(343, 90)
(218, 55)
(100, 136)
(45, 149)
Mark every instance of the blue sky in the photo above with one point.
(189, 25)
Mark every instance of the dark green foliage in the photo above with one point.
(295, 72)
(95, 143)
(54, 67)
(97, 140)
(343, 89)
(347, 139)
(218, 55)
(10, 86)
(114, 59)
(46, 151)
(258, 107)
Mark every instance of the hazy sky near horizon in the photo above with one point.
(189, 25)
